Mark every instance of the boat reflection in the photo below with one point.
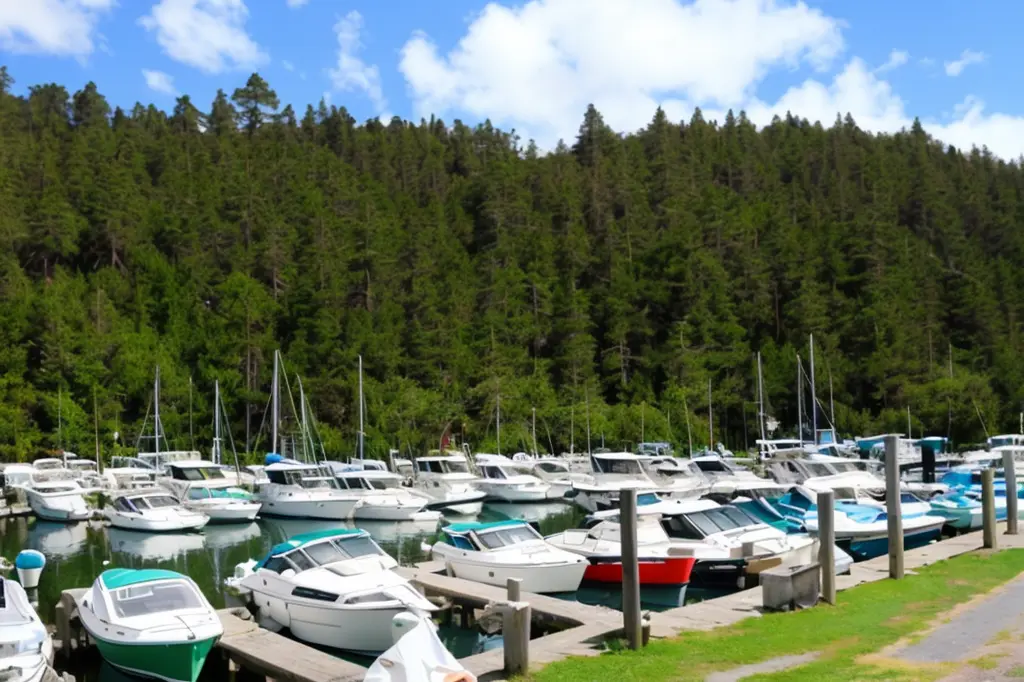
(58, 540)
(154, 547)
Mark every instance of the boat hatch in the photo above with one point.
(158, 597)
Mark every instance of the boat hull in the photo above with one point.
(471, 508)
(145, 525)
(233, 513)
(395, 512)
(863, 548)
(500, 493)
(61, 515)
(550, 579)
(330, 510)
(62, 508)
(171, 662)
(668, 571)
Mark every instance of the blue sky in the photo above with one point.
(534, 67)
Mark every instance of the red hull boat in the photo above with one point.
(661, 571)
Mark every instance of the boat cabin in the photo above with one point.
(455, 464)
(140, 503)
(137, 593)
(195, 471)
(703, 518)
(367, 479)
(48, 464)
(310, 476)
(321, 548)
(619, 463)
(485, 537)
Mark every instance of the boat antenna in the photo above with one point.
(799, 400)
(760, 397)
(96, 427)
(586, 397)
(534, 428)
(572, 429)
(497, 407)
(814, 400)
(156, 414)
(711, 421)
(60, 424)
(689, 434)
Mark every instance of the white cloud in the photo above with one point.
(288, 66)
(159, 81)
(351, 73)
(967, 57)
(897, 58)
(207, 34)
(538, 66)
(296, 3)
(59, 27)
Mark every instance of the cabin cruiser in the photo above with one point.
(331, 588)
(446, 479)
(502, 481)
(382, 496)
(59, 500)
(202, 487)
(491, 553)
(304, 491)
(84, 470)
(863, 475)
(153, 510)
(17, 476)
(615, 471)
(150, 623)
(557, 472)
(861, 524)
(50, 468)
(727, 479)
(26, 648)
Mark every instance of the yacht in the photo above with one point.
(382, 496)
(202, 487)
(331, 588)
(59, 500)
(26, 647)
(491, 553)
(503, 481)
(298, 490)
(727, 478)
(557, 472)
(153, 510)
(151, 623)
(84, 470)
(50, 468)
(446, 479)
(613, 471)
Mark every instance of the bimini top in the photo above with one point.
(116, 578)
(475, 527)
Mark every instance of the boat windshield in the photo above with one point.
(332, 551)
(720, 519)
(196, 473)
(493, 472)
(455, 466)
(148, 598)
(83, 465)
(506, 537)
(316, 482)
(630, 467)
(156, 502)
(553, 467)
(362, 483)
(818, 469)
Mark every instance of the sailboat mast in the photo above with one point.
(572, 430)
(814, 399)
(799, 400)
(909, 433)
(275, 406)
(361, 415)
(216, 421)
(498, 420)
(760, 396)
(60, 422)
(711, 421)
(831, 402)
(191, 433)
(586, 396)
(96, 427)
(643, 409)
(156, 413)
(534, 429)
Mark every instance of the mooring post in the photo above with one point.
(630, 569)
(827, 544)
(1010, 475)
(892, 507)
(515, 630)
(988, 508)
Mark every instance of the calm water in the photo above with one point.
(77, 553)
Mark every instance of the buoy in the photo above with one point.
(401, 623)
(29, 563)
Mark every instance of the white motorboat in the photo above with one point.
(556, 472)
(26, 648)
(308, 491)
(501, 481)
(491, 553)
(203, 487)
(613, 472)
(51, 468)
(382, 496)
(331, 588)
(59, 500)
(154, 511)
(85, 471)
(17, 476)
(446, 479)
(727, 479)
(150, 623)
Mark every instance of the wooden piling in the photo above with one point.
(892, 507)
(988, 509)
(1010, 474)
(827, 545)
(630, 569)
(516, 630)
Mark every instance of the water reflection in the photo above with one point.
(154, 547)
(58, 540)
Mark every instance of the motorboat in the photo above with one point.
(446, 479)
(861, 523)
(17, 476)
(154, 510)
(556, 472)
(300, 490)
(26, 648)
(50, 468)
(332, 588)
(202, 487)
(59, 500)
(382, 496)
(151, 623)
(661, 563)
(749, 545)
(491, 553)
(727, 479)
(613, 472)
(86, 471)
(961, 511)
(503, 482)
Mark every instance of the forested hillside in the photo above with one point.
(620, 271)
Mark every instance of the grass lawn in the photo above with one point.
(865, 620)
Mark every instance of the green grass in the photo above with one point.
(865, 620)
(1015, 671)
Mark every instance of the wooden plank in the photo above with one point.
(274, 656)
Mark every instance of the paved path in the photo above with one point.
(774, 665)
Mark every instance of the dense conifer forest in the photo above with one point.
(614, 278)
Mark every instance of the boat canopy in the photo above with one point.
(309, 550)
(487, 536)
(116, 578)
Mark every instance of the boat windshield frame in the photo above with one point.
(138, 594)
(719, 519)
(311, 555)
(501, 537)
